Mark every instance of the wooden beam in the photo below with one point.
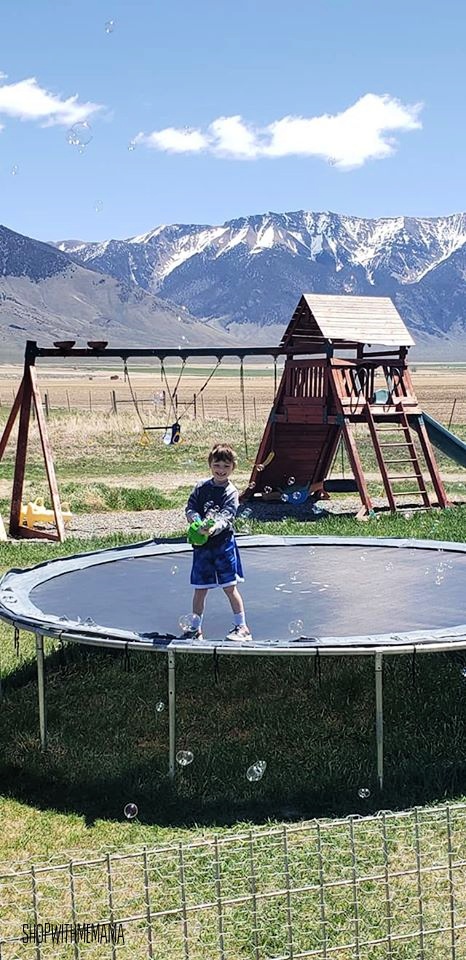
(356, 466)
(31, 533)
(431, 462)
(21, 451)
(48, 457)
(11, 419)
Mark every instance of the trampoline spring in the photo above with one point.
(126, 660)
(216, 665)
(318, 667)
(413, 667)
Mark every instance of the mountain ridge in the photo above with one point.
(250, 271)
(236, 282)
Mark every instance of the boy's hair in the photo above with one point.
(223, 451)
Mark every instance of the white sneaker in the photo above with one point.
(239, 633)
(194, 634)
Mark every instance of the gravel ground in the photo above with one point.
(162, 523)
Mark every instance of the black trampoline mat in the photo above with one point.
(336, 590)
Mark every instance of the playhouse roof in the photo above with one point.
(319, 318)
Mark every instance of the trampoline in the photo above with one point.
(305, 596)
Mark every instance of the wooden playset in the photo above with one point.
(339, 385)
(331, 383)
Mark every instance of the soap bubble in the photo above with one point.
(186, 622)
(260, 467)
(256, 771)
(174, 570)
(296, 627)
(159, 706)
(109, 26)
(295, 577)
(291, 481)
(463, 673)
(296, 495)
(364, 793)
(389, 565)
(408, 514)
(79, 135)
(130, 811)
(284, 497)
(184, 757)
(132, 145)
(14, 170)
(267, 489)
(251, 485)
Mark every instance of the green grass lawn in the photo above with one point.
(108, 744)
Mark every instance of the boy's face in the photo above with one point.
(221, 470)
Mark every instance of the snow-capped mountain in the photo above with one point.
(250, 272)
(46, 296)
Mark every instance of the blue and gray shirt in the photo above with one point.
(211, 501)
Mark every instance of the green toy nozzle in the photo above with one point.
(195, 537)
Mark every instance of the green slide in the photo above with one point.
(445, 441)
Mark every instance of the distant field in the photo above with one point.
(441, 389)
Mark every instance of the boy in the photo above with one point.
(217, 563)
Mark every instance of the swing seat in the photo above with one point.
(343, 485)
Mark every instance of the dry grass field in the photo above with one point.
(93, 445)
(441, 390)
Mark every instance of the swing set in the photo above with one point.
(172, 431)
(321, 397)
(28, 400)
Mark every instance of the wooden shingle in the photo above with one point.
(320, 319)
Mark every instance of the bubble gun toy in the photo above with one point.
(195, 537)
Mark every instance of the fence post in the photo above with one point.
(113, 400)
(68, 401)
(46, 404)
(203, 408)
(451, 414)
(194, 406)
(228, 411)
(255, 411)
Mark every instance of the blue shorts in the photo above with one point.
(216, 564)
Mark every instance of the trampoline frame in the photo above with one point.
(453, 639)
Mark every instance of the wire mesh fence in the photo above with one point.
(386, 887)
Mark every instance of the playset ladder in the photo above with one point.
(391, 453)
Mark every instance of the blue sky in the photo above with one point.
(233, 108)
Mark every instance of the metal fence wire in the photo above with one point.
(385, 887)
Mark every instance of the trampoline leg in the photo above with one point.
(41, 690)
(379, 717)
(171, 714)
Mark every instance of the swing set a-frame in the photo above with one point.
(330, 384)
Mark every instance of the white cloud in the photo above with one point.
(362, 132)
(174, 141)
(26, 100)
